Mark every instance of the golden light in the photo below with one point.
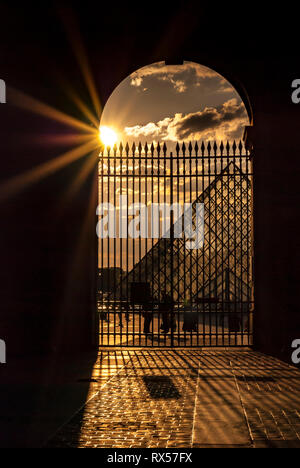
(107, 136)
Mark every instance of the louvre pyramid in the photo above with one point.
(221, 268)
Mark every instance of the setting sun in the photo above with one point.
(107, 136)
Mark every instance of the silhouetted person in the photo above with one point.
(234, 321)
(124, 308)
(148, 315)
(166, 307)
(190, 317)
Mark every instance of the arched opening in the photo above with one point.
(175, 262)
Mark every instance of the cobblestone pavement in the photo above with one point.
(187, 398)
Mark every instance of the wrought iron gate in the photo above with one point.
(153, 290)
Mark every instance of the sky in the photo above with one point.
(169, 103)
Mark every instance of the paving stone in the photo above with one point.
(188, 398)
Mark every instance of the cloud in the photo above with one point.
(151, 129)
(182, 77)
(136, 81)
(213, 123)
(210, 119)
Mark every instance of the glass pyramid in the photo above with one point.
(221, 269)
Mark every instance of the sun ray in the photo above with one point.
(62, 140)
(73, 35)
(21, 181)
(24, 101)
(89, 164)
(82, 106)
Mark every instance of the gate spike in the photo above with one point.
(227, 147)
(215, 148)
(177, 148)
(121, 149)
(133, 149)
(158, 148)
(221, 147)
(146, 148)
(202, 148)
(240, 147)
(183, 148)
(234, 146)
(190, 148)
(208, 148)
(127, 148)
(108, 150)
(140, 148)
(196, 148)
(152, 148)
(164, 148)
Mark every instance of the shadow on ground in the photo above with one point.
(37, 395)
